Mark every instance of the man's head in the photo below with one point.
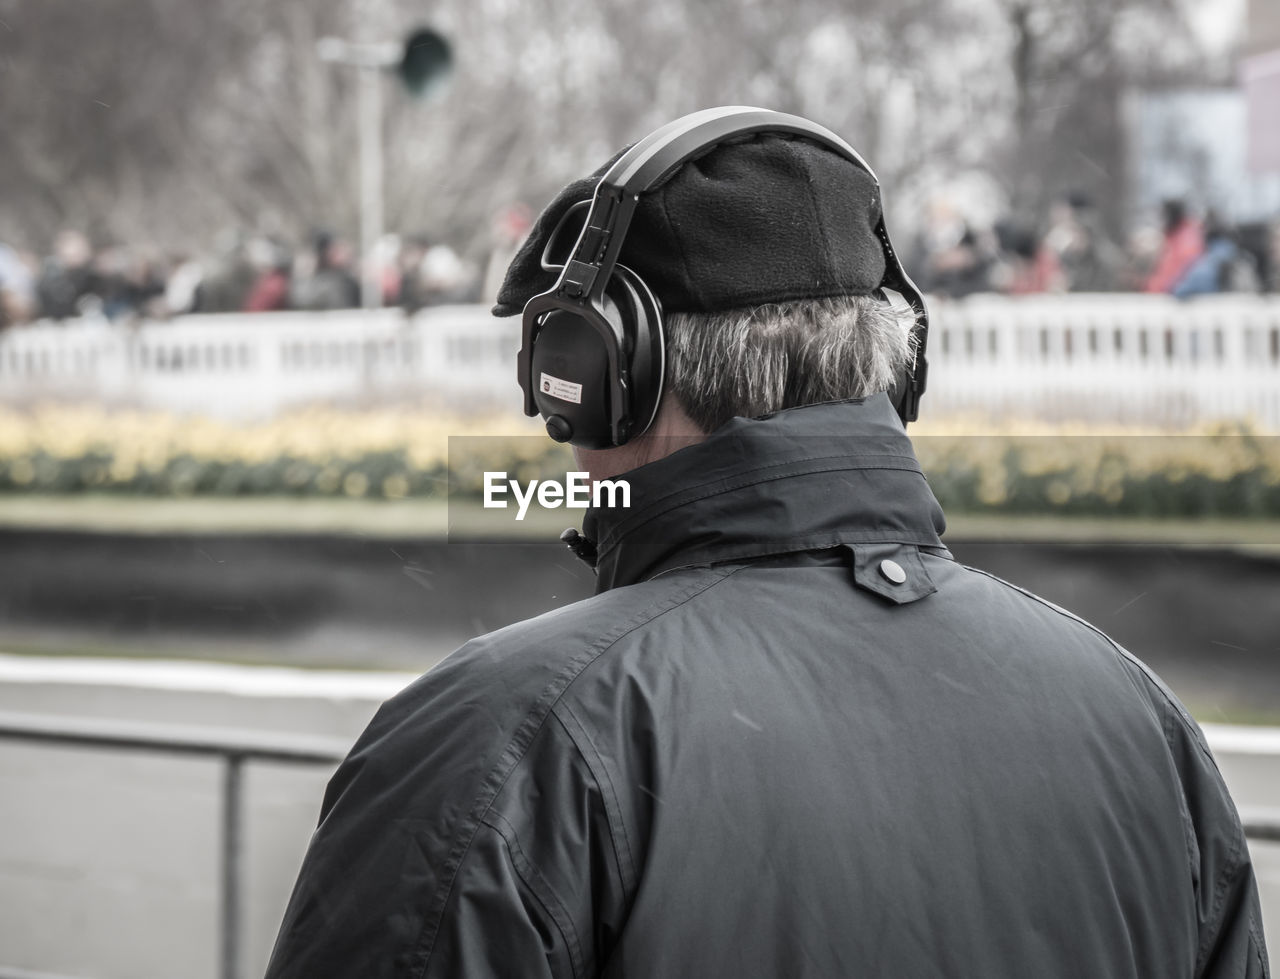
(766, 257)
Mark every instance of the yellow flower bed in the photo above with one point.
(401, 452)
(325, 451)
(1221, 469)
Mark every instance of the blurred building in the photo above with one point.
(1201, 145)
(1260, 77)
(1215, 147)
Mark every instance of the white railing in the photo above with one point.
(1115, 358)
(253, 365)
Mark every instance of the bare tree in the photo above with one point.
(1069, 65)
(170, 120)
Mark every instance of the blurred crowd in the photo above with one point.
(251, 274)
(1185, 254)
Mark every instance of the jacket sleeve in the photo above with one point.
(1228, 910)
(454, 841)
(1233, 944)
(356, 911)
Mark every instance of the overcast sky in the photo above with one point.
(1220, 22)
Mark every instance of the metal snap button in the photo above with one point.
(892, 571)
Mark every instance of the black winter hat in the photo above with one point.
(762, 220)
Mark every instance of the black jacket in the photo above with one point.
(791, 737)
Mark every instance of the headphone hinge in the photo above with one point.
(578, 278)
(919, 376)
(594, 242)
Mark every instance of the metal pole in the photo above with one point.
(232, 864)
(1261, 825)
(370, 180)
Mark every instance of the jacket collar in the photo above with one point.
(802, 479)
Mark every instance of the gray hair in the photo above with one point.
(756, 361)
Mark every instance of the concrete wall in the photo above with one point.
(1205, 619)
(108, 859)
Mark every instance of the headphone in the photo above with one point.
(592, 354)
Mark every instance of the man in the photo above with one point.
(790, 736)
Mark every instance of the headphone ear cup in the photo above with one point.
(569, 365)
(900, 392)
(646, 353)
(569, 374)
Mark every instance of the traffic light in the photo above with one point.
(426, 62)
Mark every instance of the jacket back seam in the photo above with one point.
(1233, 862)
(1187, 722)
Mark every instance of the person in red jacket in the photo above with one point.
(1183, 243)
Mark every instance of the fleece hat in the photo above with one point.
(762, 220)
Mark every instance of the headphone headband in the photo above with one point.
(645, 165)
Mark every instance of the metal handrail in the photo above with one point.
(7, 973)
(235, 747)
(240, 746)
(1261, 824)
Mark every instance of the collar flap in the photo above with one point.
(892, 571)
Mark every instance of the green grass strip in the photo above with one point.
(466, 518)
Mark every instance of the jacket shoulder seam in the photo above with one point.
(613, 811)
(1188, 824)
(538, 886)
(1257, 940)
(1230, 867)
(517, 746)
(599, 771)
